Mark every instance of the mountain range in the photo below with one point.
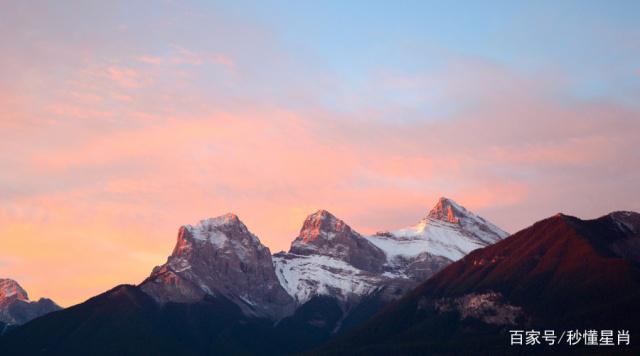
(450, 283)
(16, 308)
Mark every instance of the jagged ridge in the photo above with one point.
(15, 306)
(220, 257)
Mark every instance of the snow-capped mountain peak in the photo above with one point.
(449, 230)
(220, 257)
(221, 230)
(329, 257)
(448, 211)
(226, 219)
(10, 289)
(15, 306)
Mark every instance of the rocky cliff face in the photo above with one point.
(15, 306)
(220, 257)
(325, 235)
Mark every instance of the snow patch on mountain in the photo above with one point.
(437, 237)
(450, 231)
(305, 276)
(212, 230)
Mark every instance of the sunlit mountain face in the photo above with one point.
(560, 274)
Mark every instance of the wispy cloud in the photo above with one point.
(223, 60)
(150, 59)
(123, 76)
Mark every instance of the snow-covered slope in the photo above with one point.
(329, 258)
(305, 276)
(449, 231)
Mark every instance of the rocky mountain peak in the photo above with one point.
(220, 257)
(15, 306)
(11, 290)
(228, 223)
(225, 231)
(324, 234)
(448, 210)
(322, 224)
(320, 215)
(228, 219)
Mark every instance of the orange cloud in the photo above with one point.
(125, 77)
(223, 60)
(150, 59)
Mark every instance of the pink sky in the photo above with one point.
(107, 147)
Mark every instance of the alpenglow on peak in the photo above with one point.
(11, 289)
(448, 210)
